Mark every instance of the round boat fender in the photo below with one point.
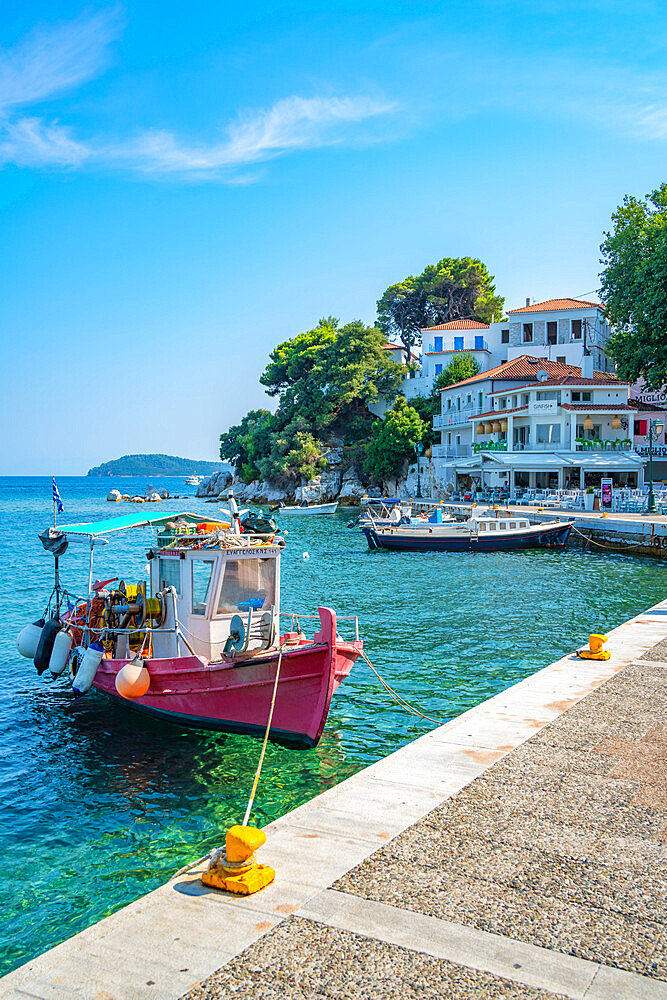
(76, 656)
(656, 542)
(45, 644)
(28, 639)
(664, 542)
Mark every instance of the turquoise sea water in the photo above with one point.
(98, 805)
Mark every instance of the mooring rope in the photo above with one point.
(193, 864)
(621, 550)
(400, 700)
(266, 740)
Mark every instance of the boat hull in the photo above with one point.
(234, 695)
(553, 536)
(318, 508)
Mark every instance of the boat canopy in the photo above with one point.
(126, 521)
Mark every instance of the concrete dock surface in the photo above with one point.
(517, 851)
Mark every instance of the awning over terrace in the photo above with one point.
(538, 461)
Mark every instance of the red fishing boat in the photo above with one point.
(201, 643)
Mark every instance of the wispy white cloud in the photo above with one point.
(54, 59)
(31, 142)
(293, 123)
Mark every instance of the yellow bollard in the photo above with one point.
(236, 868)
(595, 650)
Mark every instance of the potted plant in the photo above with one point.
(589, 498)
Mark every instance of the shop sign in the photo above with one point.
(606, 493)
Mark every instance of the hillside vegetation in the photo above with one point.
(155, 465)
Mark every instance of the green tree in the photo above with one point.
(402, 312)
(294, 454)
(393, 440)
(460, 288)
(634, 287)
(245, 443)
(294, 360)
(327, 376)
(461, 366)
(454, 288)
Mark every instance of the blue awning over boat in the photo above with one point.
(123, 523)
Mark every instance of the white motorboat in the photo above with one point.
(313, 508)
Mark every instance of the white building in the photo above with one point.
(538, 423)
(560, 330)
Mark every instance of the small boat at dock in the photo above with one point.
(305, 508)
(200, 643)
(482, 531)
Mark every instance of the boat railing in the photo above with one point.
(296, 617)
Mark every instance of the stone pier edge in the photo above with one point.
(168, 940)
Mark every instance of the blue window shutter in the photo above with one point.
(437, 343)
(458, 343)
(479, 343)
(438, 369)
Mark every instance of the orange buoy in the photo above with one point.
(133, 680)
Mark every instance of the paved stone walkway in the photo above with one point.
(554, 857)
(516, 851)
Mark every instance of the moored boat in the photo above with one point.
(481, 532)
(201, 643)
(306, 508)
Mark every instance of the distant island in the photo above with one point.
(156, 465)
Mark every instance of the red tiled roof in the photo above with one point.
(553, 305)
(596, 406)
(605, 378)
(398, 347)
(524, 366)
(497, 413)
(458, 324)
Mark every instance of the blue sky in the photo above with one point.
(183, 188)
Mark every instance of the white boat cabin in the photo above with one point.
(226, 599)
(487, 524)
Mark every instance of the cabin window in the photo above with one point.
(247, 583)
(202, 571)
(169, 574)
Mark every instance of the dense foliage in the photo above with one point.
(393, 441)
(155, 465)
(454, 288)
(634, 287)
(461, 366)
(324, 378)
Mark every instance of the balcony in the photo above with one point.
(453, 418)
(451, 451)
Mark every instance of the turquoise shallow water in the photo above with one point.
(99, 805)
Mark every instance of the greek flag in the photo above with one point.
(56, 497)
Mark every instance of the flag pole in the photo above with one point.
(56, 567)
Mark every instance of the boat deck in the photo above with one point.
(517, 851)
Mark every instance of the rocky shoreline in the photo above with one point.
(347, 486)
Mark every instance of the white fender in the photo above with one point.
(85, 675)
(28, 639)
(62, 647)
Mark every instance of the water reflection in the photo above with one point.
(103, 803)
